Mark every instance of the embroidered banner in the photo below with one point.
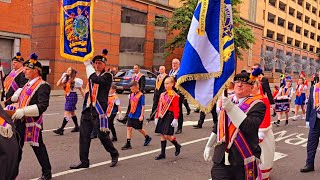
(76, 42)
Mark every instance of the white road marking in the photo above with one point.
(124, 158)
(51, 114)
(278, 156)
(49, 130)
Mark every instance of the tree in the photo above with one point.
(181, 20)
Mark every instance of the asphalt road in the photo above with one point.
(139, 163)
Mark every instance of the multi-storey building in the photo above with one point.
(290, 28)
(15, 30)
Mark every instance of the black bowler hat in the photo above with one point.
(102, 58)
(248, 78)
(33, 62)
(18, 57)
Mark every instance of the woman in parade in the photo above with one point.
(283, 99)
(166, 118)
(70, 84)
(300, 99)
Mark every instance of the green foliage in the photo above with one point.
(181, 20)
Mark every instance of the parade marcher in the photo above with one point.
(173, 73)
(313, 123)
(33, 101)
(93, 113)
(236, 156)
(266, 137)
(300, 99)
(283, 99)
(15, 79)
(275, 92)
(166, 118)
(158, 90)
(9, 147)
(70, 84)
(113, 109)
(136, 115)
(315, 80)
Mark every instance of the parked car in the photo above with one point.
(123, 79)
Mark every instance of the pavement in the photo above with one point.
(139, 163)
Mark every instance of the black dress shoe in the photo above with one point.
(59, 131)
(198, 126)
(114, 139)
(188, 112)
(196, 110)
(47, 177)
(114, 160)
(178, 148)
(150, 119)
(161, 156)
(179, 131)
(75, 129)
(307, 168)
(79, 166)
(123, 121)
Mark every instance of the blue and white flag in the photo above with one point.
(208, 60)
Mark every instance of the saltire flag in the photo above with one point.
(76, 42)
(208, 61)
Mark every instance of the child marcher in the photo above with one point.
(112, 110)
(300, 99)
(275, 92)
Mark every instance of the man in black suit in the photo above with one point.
(158, 90)
(15, 79)
(265, 85)
(9, 147)
(313, 122)
(228, 162)
(139, 77)
(33, 102)
(100, 82)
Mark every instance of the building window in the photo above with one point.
(269, 48)
(291, 11)
(306, 33)
(159, 45)
(305, 46)
(308, 6)
(298, 29)
(289, 53)
(318, 50)
(289, 40)
(281, 22)
(271, 17)
(312, 35)
(306, 19)
(297, 43)
(282, 6)
(311, 48)
(313, 23)
(314, 10)
(319, 26)
(272, 3)
(300, 2)
(132, 44)
(133, 16)
(160, 21)
(290, 26)
(318, 38)
(299, 15)
(280, 37)
(270, 34)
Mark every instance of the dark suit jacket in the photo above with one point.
(311, 115)
(41, 98)
(249, 128)
(21, 81)
(142, 83)
(104, 82)
(161, 89)
(266, 89)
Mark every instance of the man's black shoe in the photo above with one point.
(188, 112)
(150, 119)
(47, 177)
(161, 156)
(123, 121)
(197, 110)
(114, 160)
(114, 139)
(198, 126)
(307, 168)
(179, 131)
(79, 166)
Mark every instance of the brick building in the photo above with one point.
(15, 30)
(122, 26)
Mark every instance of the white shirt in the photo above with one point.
(31, 82)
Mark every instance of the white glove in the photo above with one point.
(87, 62)
(227, 105)
(306, 101)
(261, 135)
(18, 114)
(89, 69)
(120, 115)
(307, 124)
(174, 123)
(235, 114)
(6, 131)
(318, 109)
(208, 150)
(156, 121)
(15, 96)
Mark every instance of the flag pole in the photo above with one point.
(226, 130)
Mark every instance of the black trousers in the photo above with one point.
(313, 142)
(203, 116)
(180, 120)
(186, 104)
(40, 151)
(156, 98)
(88, 122)
(111, 124)
(223, 172)
(8, 157)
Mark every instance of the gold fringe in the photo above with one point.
(105, 130)
(72, 57)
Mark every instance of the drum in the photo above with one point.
(282, 105)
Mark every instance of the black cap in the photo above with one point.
(99, 58)
(33, 62)
(18, 58)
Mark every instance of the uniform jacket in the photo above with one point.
(266, 89)
(162, 88)
(21, 81)
(311, 115)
